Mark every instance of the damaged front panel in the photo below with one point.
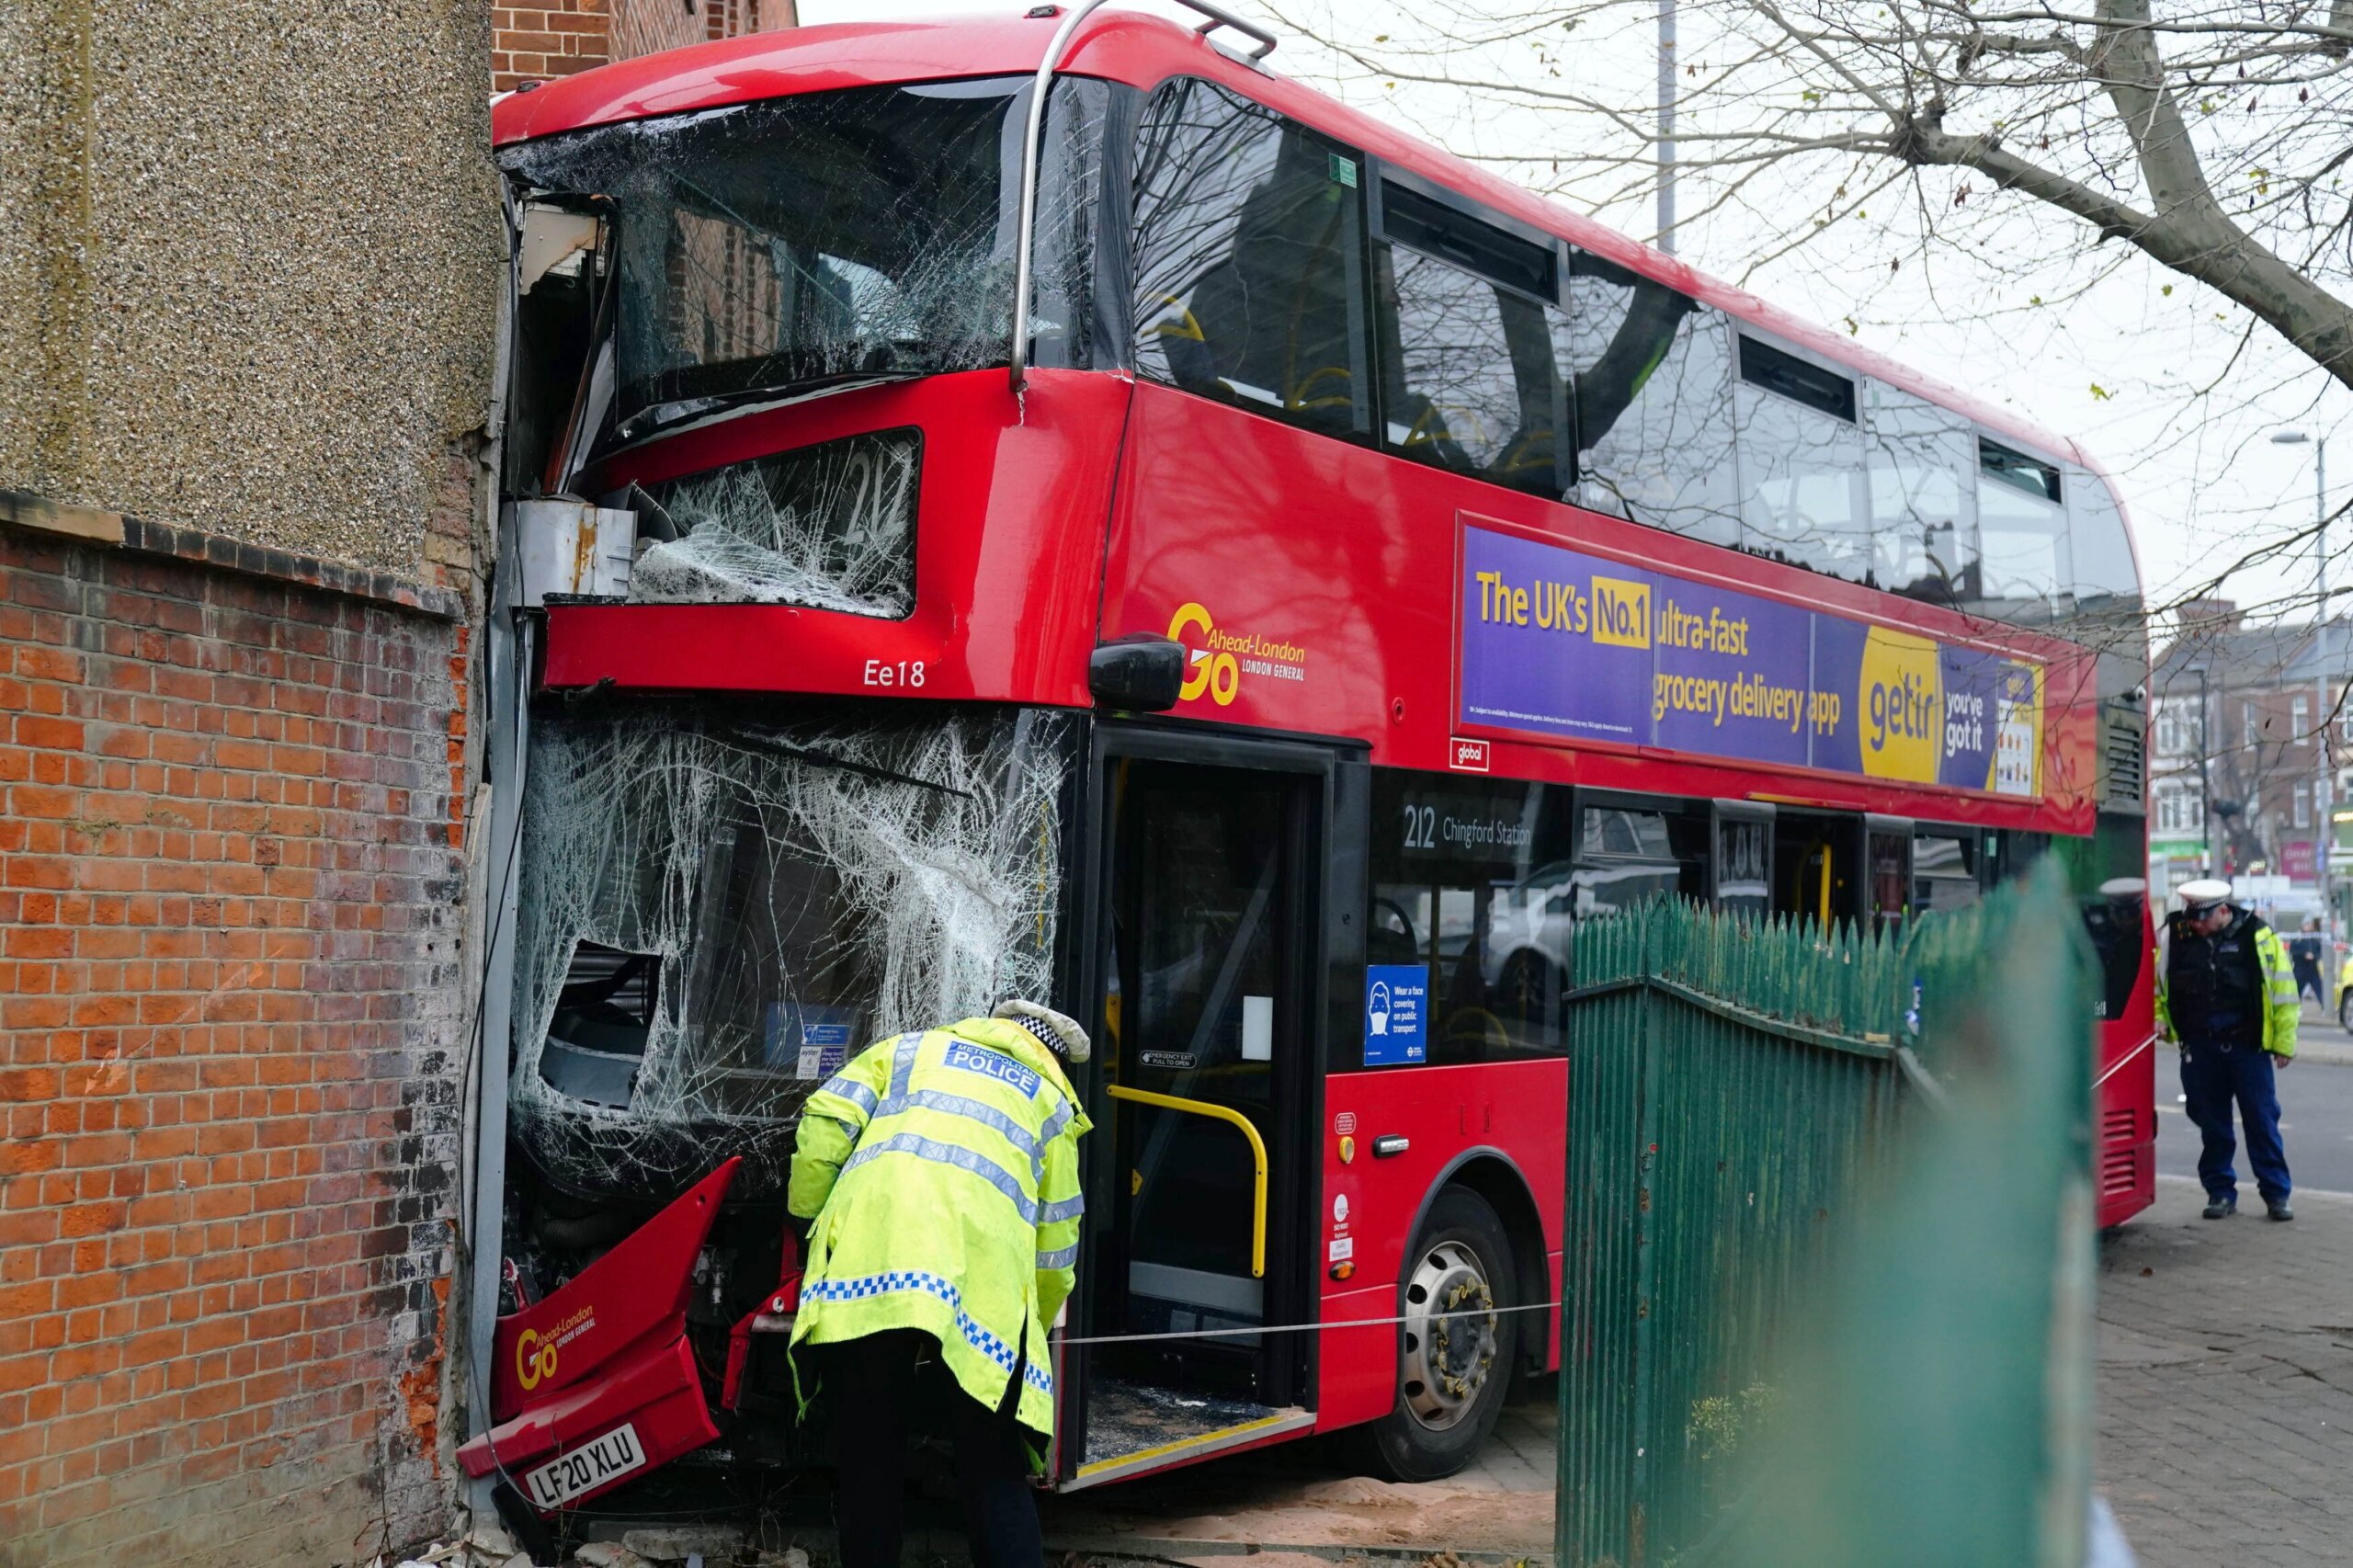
(718, 905)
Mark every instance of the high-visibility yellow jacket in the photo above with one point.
(2283, 1006)
(941, 1171)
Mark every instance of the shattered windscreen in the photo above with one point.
(718, 909)
(868, 232)
(830, 526)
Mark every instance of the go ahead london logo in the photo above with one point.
(1217, 661)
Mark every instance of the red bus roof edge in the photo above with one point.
(1142, 50)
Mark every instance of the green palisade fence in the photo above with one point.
(1754, 1250)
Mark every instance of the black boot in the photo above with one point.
(2278, 1208)
(2222, 1207)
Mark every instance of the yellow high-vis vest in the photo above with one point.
(941, 1171)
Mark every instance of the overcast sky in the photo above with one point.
(2190, 394)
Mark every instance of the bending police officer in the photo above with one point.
(940, 1170)
(2227, 996)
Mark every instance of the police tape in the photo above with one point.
(1301, 1327)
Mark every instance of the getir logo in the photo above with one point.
(1901, 707)
(1621, 612)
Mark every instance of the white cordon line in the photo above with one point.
(1301, 1327)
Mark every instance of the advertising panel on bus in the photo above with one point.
(1554, 644)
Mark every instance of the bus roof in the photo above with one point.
(1144, 51)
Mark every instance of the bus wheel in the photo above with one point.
(2345, 1012)
(1457, 1353)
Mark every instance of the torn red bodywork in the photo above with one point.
(597, 1384)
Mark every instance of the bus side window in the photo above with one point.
(1652, 372)
(1471, 880)
(2022, 537)
(1467, 377)
(1923, 498)
(1248, 245)
(1944, 872)
(1803, 496)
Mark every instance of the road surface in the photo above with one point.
(2315, 1119)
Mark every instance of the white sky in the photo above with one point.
(2200, 479)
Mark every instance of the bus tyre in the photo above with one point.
(1452, 1370)
(2345, 1012)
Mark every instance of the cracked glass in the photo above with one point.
(720, 904)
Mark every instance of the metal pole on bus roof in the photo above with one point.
(1667, 126)
(1033, 136)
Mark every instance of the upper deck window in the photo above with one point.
(1804, 497)
(1799, 380)
(2022, 535)
(1248, 246)
(772, 246)
(1467, 374)
(1652, 398)
(1923, 506)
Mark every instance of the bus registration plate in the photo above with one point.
(607, 1458)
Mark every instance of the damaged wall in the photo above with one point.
(249, 256)
(231, 1041)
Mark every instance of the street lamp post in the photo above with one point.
(2322, 831)
(2205, 783)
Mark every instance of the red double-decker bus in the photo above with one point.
(1053, 506)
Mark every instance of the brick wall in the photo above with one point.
(537, 40)
(230, 879)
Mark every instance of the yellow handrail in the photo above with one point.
(1258, 1155)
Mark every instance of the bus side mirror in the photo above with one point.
(1140, 673)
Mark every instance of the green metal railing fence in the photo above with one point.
(1752, 1248)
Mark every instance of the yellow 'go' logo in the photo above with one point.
(1216, 674)
(534, 1359)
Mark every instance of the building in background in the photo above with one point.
(534, 41)
(2252, 754)
(248, 296)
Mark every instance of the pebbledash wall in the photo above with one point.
(249, 271)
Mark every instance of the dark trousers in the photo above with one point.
(2308, 978)
(2213, 1079)
(880, 1387)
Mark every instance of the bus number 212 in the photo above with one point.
(882, 672)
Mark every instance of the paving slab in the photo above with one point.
(2226, 1383)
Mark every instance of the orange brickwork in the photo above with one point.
(232, 1049)
(537, 40)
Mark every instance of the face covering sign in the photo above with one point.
(1563, 645)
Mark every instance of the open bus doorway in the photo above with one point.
(1207, 964)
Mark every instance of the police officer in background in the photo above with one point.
(940, 1170)
(2227, 996)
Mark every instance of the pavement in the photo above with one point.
(2226, 1382)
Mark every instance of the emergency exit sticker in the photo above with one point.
(1396, 1007)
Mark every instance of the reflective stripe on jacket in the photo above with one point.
(2283, 1008)
(941, 1171)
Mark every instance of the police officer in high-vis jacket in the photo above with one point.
(2226, 995)
(940, 1170)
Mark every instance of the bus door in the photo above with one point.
(1740, 865)
(1208, 964)
(1816, 865)
(1887, 861)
